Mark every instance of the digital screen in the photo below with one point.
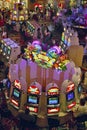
(5, 49)
(79, 88)
(16, 93)
(9, 51)
(32, 99)
(70, 96)
(53, 101)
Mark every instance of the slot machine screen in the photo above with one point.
(9, 51)
(5, 49)
(32, 99)
(53, 100)
(70, 96)
(16, 93)
(79, 88)
(2, 46)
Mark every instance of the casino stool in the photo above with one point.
(53, 123)
(81, 122)
(26, 125)
(6, 113)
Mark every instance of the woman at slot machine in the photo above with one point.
(81, 109)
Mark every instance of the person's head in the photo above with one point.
(38, 29)
(27, 111)
(82, 102)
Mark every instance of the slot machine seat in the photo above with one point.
(81, 121)
(6, 113)
(53, 123)
(25, 124)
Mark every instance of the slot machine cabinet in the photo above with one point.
(33, 96)
(9, 49)
(32, 27)
(18, 97)
(53, 103)
(76, 78)
(67, 96)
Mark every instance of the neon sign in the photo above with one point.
(17, 84)
(53, 58)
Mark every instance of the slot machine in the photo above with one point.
(33, 96)
(18, 97)
(9, 49)
(67, 96)
(32, 27)
(53, 103)
(76, 78)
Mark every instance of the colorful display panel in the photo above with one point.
(53, 58)
(15, 100)
(33, 96)
(70, 96)
(16, 93)
(67, 96)
(53, 102)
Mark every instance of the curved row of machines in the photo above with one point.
(51, 102)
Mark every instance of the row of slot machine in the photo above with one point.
(9, 49)
(32, 27)
(56, 100)
(70, 37)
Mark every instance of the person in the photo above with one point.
(7, 70)
(4, 34)
(26, 119)
(81, 109)
(85, 56)
(38, 33)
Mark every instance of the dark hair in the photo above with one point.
(38, 29)
(27, 111)
(82, 102)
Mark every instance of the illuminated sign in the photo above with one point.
(33, 90)
(70, 87)
(53, 91)
(14, 102)
(33, 109)
(53, 58)
(71, 105)
(53, 110)
(17, 84)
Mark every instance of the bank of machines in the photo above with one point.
(18, 97)
(76, 78)
(53, 99)
(70, 37)
(19, 12)
(67, 96)
(33, 97)
(32, 27)
(9, 49)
